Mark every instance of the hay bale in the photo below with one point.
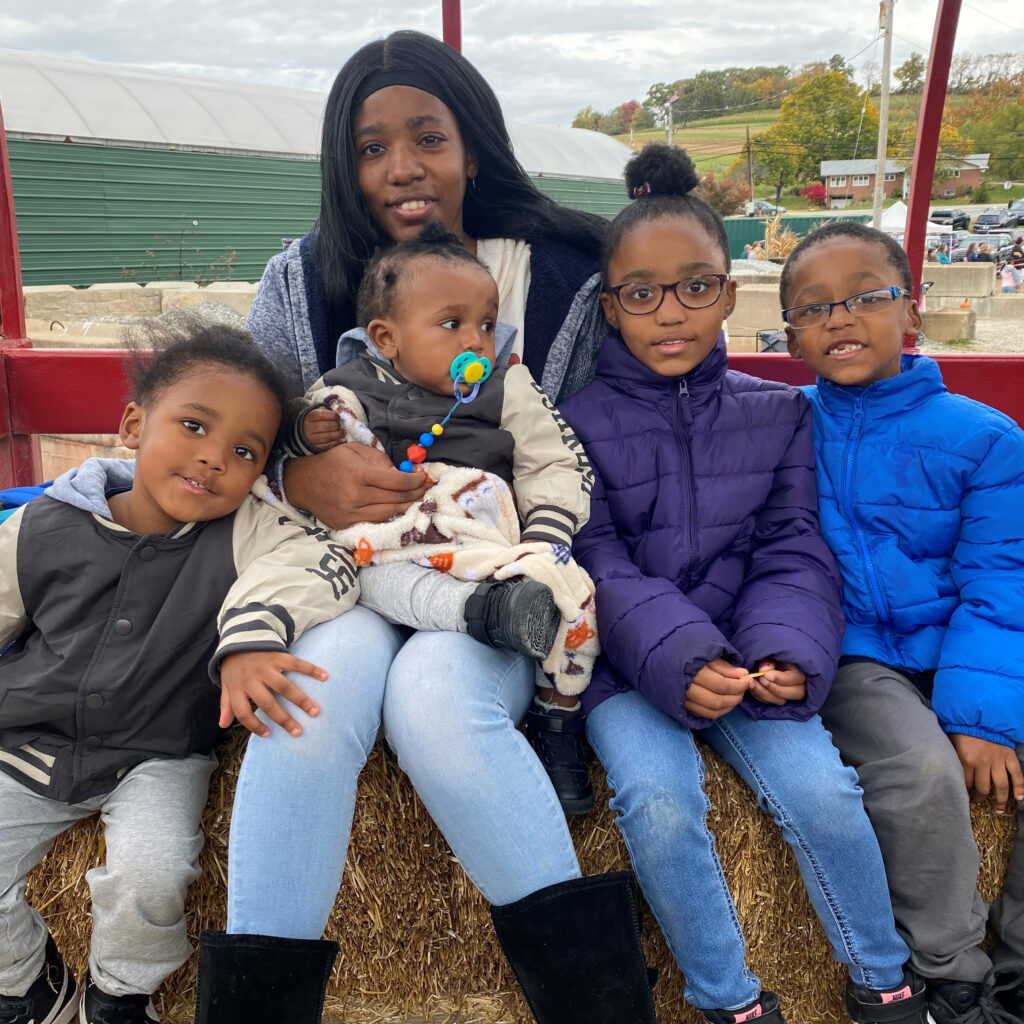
(416, 936)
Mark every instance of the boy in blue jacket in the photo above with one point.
(920, 497)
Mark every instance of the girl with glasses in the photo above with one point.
(718, 609)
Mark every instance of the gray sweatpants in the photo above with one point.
(413, 595)
(917, 801)
(153, 839)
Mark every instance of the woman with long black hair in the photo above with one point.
(412, 133)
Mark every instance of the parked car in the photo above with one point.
(954, 239)
(761, 208)
(953, 217)
(1002, 246)
(1016, 206)
(995, 220)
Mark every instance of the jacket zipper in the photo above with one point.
(869, 566)
(683, 422)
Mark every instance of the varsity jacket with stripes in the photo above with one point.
(114, 637)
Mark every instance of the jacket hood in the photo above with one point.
(86, 486)
(620, 369)
(918, 380)
(353, 343)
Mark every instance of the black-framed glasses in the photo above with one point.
(815, 314)
(640, 297)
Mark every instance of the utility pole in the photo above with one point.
(885, 15)
(668, 110)
(750, 167)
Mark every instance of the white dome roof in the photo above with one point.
(44, 96)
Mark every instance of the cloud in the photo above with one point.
(546, 60)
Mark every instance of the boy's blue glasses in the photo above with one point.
(815, 314)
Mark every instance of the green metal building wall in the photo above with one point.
(94, 213)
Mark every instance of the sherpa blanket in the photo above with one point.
(467, 525)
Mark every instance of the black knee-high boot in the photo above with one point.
(575, 950)
(262, 979)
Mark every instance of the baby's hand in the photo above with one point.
(254, 677)
(716, 689)
(989, 768)
(321, 428)
(781, 682)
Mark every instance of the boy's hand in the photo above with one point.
(989, 768)
(321, 428)
(781, 682)
(254, 677)
(716, 689)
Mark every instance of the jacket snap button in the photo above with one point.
(147, 554)
(122, 627)
(93, 741)
(94, 701)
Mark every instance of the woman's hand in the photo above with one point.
(989, 768)
(716, 689)
(254, 677)
(352, 483)
(781, 682)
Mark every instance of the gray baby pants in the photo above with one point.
(153, 838)
(916, 798)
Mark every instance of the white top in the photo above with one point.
(508, 260)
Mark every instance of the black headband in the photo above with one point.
(415, 78)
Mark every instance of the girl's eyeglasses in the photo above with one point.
(640, 297)
(815, 314)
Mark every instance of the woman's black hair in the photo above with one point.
(894, 254)
(660, 179)
(501, 203)
(378, 289)
(185, 341)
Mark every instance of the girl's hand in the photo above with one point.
(255, 677)
(321, 428)
(989, 768)
(716, 689)
(781, 682)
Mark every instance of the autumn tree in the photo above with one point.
(1002, 136)
(726, 196)
(910, 74)
(588, 117)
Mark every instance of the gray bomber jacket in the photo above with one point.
(114, 636)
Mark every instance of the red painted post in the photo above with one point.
(20, 460)
(927, 144)
(451, 22)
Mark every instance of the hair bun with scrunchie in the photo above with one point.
(660, 169)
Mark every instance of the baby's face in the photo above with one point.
(443, 308)
(850, 349)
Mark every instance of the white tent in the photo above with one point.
(894, 221)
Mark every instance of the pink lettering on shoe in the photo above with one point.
(749, 1014)
(895, 997)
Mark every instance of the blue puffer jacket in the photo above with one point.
(703, 536)
(922, 502)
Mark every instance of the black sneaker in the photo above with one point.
(907, 1004)
(1005, 984)
(556, 734)
(514, 615)
(99, 1008)
(955, 1002)
(52, 999)
(764, 1009)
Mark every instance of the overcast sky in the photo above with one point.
(545, 58)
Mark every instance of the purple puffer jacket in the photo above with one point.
(703, 536)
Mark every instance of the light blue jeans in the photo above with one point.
(657, 775)
(449, 708)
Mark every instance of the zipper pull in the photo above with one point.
(684, 391)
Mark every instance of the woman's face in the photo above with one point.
(411, 162)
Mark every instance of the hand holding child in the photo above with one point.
(321, 428)
(781, 682)
(254, 677)
(716, 689)
(989, 768)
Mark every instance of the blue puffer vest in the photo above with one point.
(703, 536)
(922, 502)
